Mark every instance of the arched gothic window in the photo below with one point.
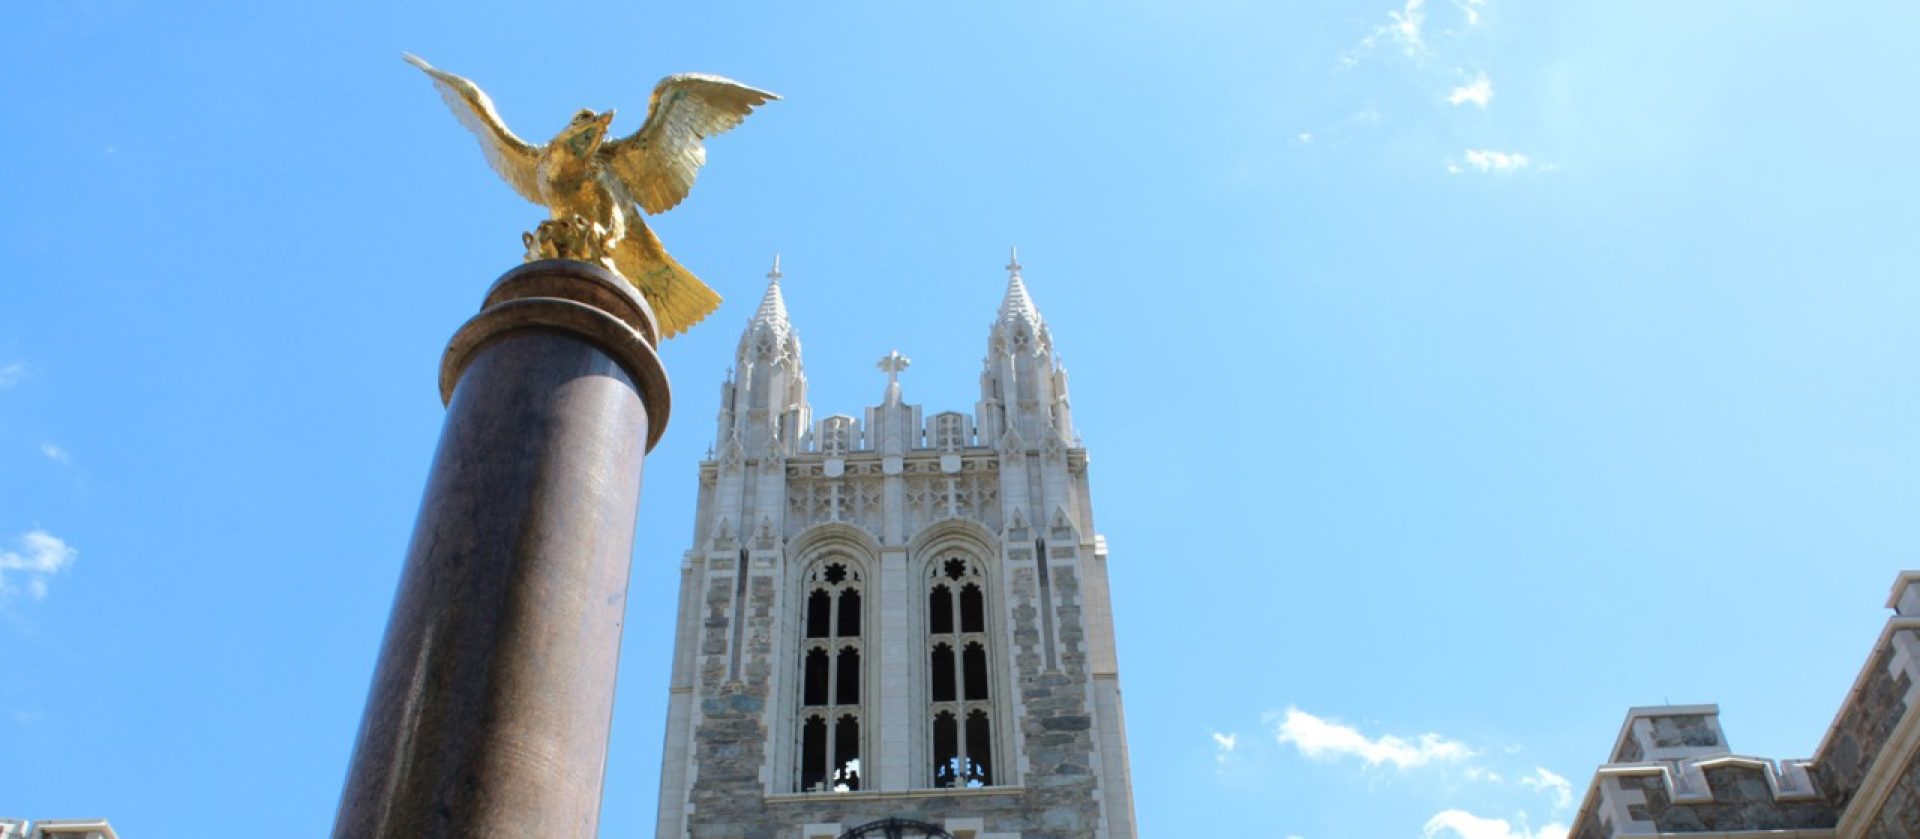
(830, 709)
(960, 676)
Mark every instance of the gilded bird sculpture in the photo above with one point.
(595, 187)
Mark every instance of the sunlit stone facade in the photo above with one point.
(898, 614)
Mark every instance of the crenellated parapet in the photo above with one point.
(1670, 772)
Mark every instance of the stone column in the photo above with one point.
(493, 695)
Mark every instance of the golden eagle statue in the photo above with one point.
(591, 184)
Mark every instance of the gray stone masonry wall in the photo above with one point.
(730, 742)
(1669, 732)
(1899, 817)
(1054, 801)
(1586, 826)
(1741, 801)
(1689, 731)
(1860, 731)
(1058, 727)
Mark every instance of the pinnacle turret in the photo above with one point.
(765, 400)
(1017, 304)
(1023, 389)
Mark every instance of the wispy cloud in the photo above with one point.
(1478, 91)
(1471, 10)
(1465, 825)
(11, 374)
(41, 556)
(1318, 739)
(1403, 30)
(1490, 162)
(1224, 744)
(1551, 784)
(55, 453)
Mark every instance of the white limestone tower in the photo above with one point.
(896, 616)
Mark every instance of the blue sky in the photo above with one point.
(1456, 374)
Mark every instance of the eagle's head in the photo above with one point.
(583, 135)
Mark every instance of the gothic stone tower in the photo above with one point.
(896, 615)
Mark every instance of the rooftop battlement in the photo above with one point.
(1671, 773)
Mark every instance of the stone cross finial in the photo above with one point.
(775, 274)
(893, 364)
(1013, 259)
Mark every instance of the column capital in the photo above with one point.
(577, 298)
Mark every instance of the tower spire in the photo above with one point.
(766, 397)
(773, 306)
(1017, 303)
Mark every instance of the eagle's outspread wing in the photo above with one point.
(515, 159)
(658, 163)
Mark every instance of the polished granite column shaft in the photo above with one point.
(493, 695)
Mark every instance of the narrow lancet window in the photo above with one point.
(942, 664)
(846, 754)
(816, 678)
(819, 610)
(960, 673)
(850, 613)
(830, 680)
(973, 609)
(946, 749)
(940, 610)
(979, 749)
(974, 661)
(813, 754)
(847, 677)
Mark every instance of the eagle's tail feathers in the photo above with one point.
(679, 299)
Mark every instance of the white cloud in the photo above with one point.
(11, 374)
(1465, 825)
(41, 556)
(1306, 136)
(1478, 91)
(1224, 744)
(1553, 785)
(1476, 773)
(55, 453)
(1471, 8)
(1402, 29)
(1317, 738)
(1488, 161)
